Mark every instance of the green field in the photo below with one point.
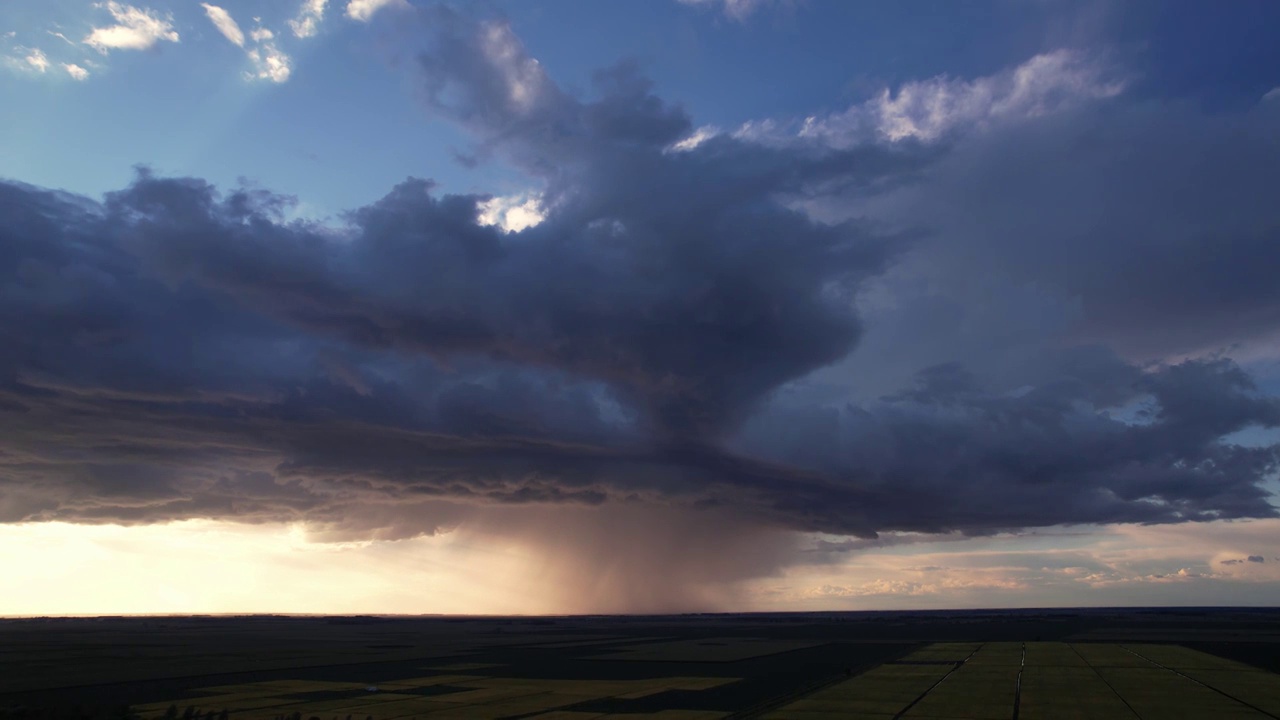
(1047, 681)
(942, 681)
(467, 696)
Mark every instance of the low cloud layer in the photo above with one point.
(646, 354)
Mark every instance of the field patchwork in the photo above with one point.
(439, 697)
(1047, 681)
(941, 681)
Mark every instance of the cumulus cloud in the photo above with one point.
(75, 71)
(135, 29)
(307, 23)
(512, 213)
(652, 348)
(226, 24)
(268, 60)
(364, 10)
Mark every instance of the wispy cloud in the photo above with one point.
(363, 10)
(1190, 562)
(699, 136)
(135, 29)
(36, 60)
(736, 9)
(268, 61)
(27, 60)
(926, 110)
(307, 23)
(226, 24)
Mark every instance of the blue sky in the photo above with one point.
(793, 304)
(345, 125)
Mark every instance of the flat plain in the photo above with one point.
(1149, 664)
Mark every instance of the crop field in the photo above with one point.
(940, 681)
(438, 697)
(1048, 680)
(958, 665)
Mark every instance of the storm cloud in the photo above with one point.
(648, 352)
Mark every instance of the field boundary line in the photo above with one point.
(922, 695)
(1104, 680)
(1017, 686)
(1223, 693)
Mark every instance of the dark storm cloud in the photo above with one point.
(1151, 224)
(951, 448)
(176, 352)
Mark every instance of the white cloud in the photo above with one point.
(27, 60)
(512, 213)
(270, 64)
(62, 37)
(75, 71)
(310, 14)
(135, 29)
(1272, 94)
(226, 24)
(928, 109)
(363, 10)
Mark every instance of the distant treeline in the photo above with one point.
(193, 713)
(123, 712)
(298, 716)
(69, 712)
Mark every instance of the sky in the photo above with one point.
(395, 306)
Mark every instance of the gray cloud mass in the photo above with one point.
(175, 351)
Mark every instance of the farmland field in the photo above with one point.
(1050, 680)
(1023, 665)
